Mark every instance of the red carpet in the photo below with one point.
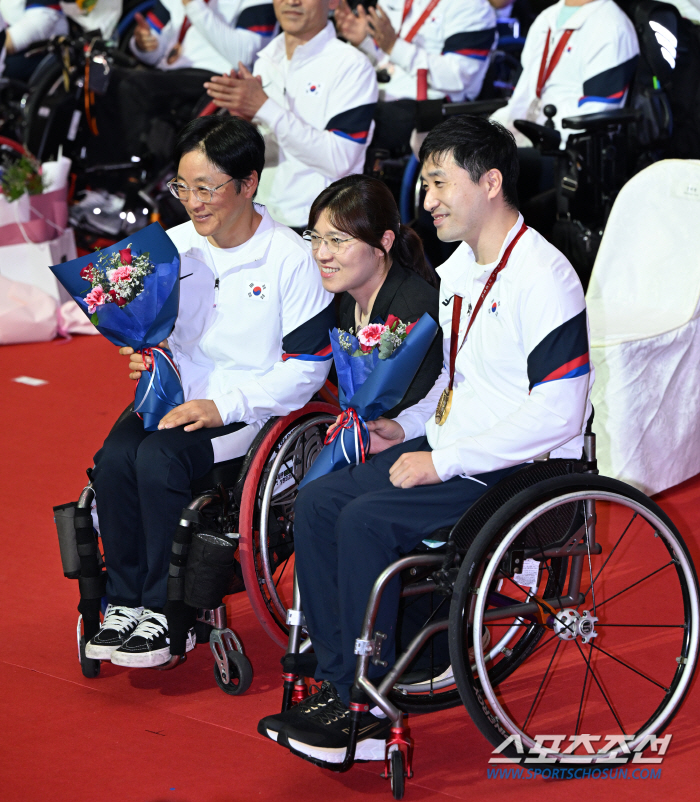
(152, 736)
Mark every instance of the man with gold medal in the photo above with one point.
(515, 385)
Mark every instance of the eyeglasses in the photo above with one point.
(334, 244)
(202, 194)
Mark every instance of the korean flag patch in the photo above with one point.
(258, 291)
(313, 88)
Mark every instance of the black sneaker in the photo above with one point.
(149, 644)
(118, 624)
(318, 698)
(321, 729)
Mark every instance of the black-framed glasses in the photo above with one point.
(202, 194)
(334, 244)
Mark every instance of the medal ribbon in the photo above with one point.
(408, 5)
(547, 69)
(185, 27)
(457, 305)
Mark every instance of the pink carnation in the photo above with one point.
(95, 298)
(369, 336)
(120, 274)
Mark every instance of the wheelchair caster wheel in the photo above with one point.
(240, 674)
(90, 668)
(397, 774)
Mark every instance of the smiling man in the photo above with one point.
(313, 98)
(515, 386)
(249, 343)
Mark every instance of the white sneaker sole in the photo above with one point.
(99, 652)
(141, 659)
(368, 749)
(149, 659)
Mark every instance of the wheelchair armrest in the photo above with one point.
(600, 120)
(546, 139)
(430, 113)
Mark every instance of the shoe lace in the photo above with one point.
(151, 625)
(318, 697)
(120, 618)
(323, 704)
(333, 711)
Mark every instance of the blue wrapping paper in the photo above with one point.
(158, 390)
(144, 322)
(370, 386)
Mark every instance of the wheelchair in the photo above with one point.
(571, 606)
(245, 504)
(60, 115)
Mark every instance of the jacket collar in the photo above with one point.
(275, 51)
(382, 303)
(577, 19)
(259, 243)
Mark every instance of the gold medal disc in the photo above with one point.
(443, 407)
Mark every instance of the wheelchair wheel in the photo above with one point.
(512, 645)
(397, 774)
(267, 511)
(619, 636)
(89, 667)
(240, 674)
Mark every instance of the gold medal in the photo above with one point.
(443, 407)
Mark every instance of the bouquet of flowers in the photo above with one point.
(131, 292)
(375, 368)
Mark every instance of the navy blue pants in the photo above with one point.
(348, 527)
(142, 482)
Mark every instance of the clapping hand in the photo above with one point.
(381, 29)
(146, 40)
(240, 92)
(351, 26)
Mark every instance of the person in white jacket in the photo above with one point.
(451, 39)
(579, 56)
(22, 24)
(250, 341)
(519, 382)
(185, 40)
(313, 98)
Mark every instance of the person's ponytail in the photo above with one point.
(408, 252)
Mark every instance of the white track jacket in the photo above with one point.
(523, 378)
(30, 21)
(253, 322)
(317, 121)
(222, 33)
(453, 44)
(594, 71)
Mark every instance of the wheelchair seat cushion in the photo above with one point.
(223, 473)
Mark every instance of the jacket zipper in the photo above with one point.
(216, 292)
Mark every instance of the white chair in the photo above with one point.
(644, 307)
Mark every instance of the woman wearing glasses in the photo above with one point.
(250, 296)
(375, 265)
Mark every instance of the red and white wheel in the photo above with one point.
(266, 520)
